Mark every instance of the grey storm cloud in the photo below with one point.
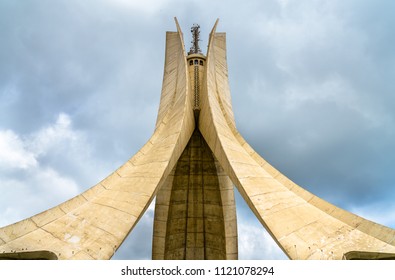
(312, 91)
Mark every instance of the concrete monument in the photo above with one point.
(190, 164)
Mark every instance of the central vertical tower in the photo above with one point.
(195, 216)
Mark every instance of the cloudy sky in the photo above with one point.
(311, 84)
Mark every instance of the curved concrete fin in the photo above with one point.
(304, 226)
(93, 224)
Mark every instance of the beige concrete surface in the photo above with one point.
(189, 161)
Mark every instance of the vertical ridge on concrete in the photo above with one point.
(196, 215)
(195, 224)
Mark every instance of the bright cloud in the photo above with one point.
(14, 153)
(27, 183)
(256, 243)
(51, 136)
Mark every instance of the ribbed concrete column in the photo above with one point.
(195, 214)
